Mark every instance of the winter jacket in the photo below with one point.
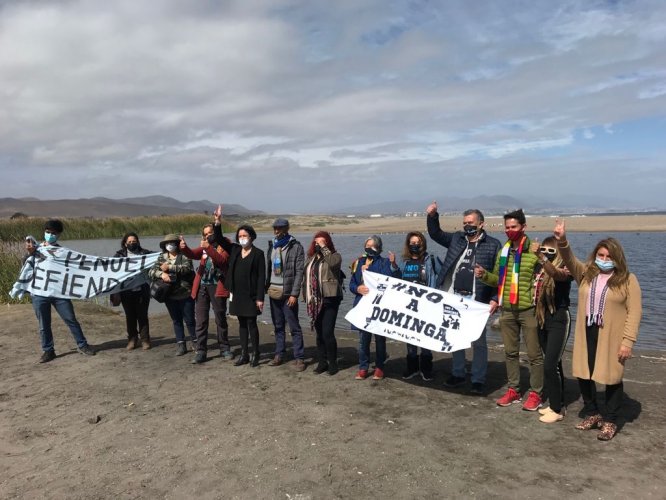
(293, 261)
(180, 269)
(329, 274)
(528, 262)
(379, 265)
(432, 268)
(487, 249)
(123, 253)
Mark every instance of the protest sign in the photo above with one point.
(418, 315)
(54, 271)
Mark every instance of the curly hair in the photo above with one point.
(406, 254)
(620, 273)
(329, 242)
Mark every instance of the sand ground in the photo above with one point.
(150, 425)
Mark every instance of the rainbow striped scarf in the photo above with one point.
(515, 272)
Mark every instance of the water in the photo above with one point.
(643, 252)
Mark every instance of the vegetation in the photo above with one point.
(11, 261)
(88, 228)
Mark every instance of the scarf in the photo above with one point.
(313, 295)
(515, 272)
(597, 300)
(281, 242)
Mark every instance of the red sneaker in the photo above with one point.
(378, 374)
(361, 375)
(510, 396)
(533, 402)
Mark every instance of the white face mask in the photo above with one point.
(244, 242)
(171, 247)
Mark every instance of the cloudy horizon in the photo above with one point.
(315, 105)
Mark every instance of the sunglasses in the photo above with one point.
(547, 250)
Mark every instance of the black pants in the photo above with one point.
(588, 389)
(247, 326)
(136, 305)
(327, 346)
(205, 300)
(553, 337)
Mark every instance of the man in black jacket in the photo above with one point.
(466, 248)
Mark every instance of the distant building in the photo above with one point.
(375, 216)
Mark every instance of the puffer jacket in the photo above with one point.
(487, 249)
(528, 262)
(293, 261)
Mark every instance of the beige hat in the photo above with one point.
(167, 239)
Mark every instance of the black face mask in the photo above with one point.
(551, 256)
(317, 248)
(210, 239)
(470, 230)
(132, 247)
(414, 249)
(371, 252)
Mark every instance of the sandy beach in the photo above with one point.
(393, 224)
(150, 425)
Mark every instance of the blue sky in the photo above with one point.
(311, 105)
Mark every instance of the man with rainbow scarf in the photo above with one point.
(513, 275)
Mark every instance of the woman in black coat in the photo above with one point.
(246, 284)
(135, 301)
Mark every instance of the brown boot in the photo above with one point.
(145, 344)
(131, 344)
(299, 365)
(276, 361)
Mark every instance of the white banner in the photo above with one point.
(419, 315)
(63, 273)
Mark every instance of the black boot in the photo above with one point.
(243, 359)
(426, 368)
(333, 367)
(412, 368)
(322, 364)
(254, 360)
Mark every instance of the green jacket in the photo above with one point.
(528, 262)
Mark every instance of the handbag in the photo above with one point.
(160, 290)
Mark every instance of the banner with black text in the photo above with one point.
(54, 271)
(418, 315)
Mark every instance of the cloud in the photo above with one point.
(261, 95)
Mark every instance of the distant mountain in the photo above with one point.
(487, 204)
(107, 207)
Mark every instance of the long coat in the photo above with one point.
(622, 317)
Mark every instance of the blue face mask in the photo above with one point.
(604, 265)
(50, 238)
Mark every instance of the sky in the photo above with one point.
(308, 106)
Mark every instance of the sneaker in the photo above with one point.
(361, 375)
(321, 368)
(131, 344)
(181, 349)
(200, 357)
(454, 381)
(510, 396)
(533, 402)
(378, 374)
(228, 355)
(409, 374)
(478, 389)
(545, 411)
(427, 375)
(47, 356)
(551, 418)
(87, 350)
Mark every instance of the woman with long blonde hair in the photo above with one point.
(552, 284)
(609, 315)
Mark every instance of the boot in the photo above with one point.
(426, 368)
(254, 360)
(181, 349)
(131, 343)
(412, 368)
(333, 367)
(243, 359)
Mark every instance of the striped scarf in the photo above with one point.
(597, 302)
(515, 272)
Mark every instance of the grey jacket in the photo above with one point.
(293, 262)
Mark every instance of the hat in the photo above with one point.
(168, 238)
(281, 223)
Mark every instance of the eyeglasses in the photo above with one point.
(547, 250)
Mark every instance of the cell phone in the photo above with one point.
(31, 239)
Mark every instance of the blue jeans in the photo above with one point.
(364, 350)
(479, 360)
(64, 308)
(281, 314)
(182, 310)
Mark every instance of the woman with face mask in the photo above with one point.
(135, 301)
(418, 266)
(552, 284)
(609, 315)
(173, 267)
(245, 281)
(371, 261)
